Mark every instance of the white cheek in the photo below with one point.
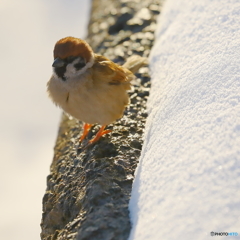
(71, 71)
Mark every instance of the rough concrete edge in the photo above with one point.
(88, 191)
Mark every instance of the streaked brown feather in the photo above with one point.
(112, 73)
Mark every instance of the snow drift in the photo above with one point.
(188, 180)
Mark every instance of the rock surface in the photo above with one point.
(88, 190)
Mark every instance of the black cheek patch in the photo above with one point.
(79, 65)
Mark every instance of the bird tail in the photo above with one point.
(135, 62)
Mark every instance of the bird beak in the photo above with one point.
(58, 63)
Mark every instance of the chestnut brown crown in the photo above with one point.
(70, 46)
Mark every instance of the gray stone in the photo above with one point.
(88, 190)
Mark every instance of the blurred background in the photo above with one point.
(29, 120)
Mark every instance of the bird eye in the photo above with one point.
(70, 59)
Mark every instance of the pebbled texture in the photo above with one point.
(88, 190)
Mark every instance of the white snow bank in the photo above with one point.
(188, 180)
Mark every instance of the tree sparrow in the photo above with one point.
(89, 86)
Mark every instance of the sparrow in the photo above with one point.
(89, 86)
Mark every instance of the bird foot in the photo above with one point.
(86, 129)
(99, 134)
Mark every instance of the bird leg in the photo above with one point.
(86, 129)
(100, 133)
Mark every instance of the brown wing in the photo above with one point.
(110, 72)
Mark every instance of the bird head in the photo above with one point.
(72, 57)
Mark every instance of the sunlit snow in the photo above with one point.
(188, 179)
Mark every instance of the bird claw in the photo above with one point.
(99, 134)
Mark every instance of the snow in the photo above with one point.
(29, 121)
(187, 183)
